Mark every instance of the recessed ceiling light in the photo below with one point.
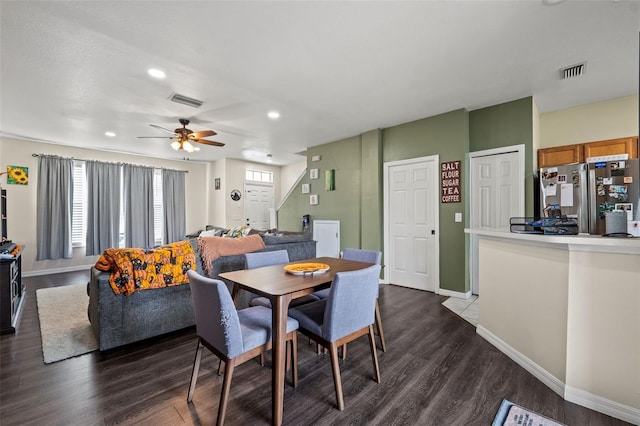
(273, 115)
(110, 134)
(156, 73)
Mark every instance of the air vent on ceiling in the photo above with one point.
(185, 100)
(573, 71)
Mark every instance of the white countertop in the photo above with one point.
(595, 243)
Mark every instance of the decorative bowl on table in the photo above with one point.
(306, 268)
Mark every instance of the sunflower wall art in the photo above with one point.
(18, 175)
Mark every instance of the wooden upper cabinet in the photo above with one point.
(612, 147)
(579, 153)
(559, 155)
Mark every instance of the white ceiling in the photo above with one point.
(72, 70)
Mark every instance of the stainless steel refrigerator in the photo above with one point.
(563, 192)
(613, 185)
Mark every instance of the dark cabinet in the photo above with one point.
(11, 291)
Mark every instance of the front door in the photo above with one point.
(258, 201)
(411, 223)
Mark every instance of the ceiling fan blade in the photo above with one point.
(156, 137)
(202, 134)
(161, 128)
(206, 142)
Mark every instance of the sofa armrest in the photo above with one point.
(105, 309)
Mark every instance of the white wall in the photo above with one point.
(21, 200)
(610, 119)
(234, 177)
(218, 199)
(289, 176)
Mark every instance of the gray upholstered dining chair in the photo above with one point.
(361, 255)
(346, 314)
(268, 258)
(234, 336)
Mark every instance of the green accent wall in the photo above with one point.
(357, 201)
(502, 125)
(447, 136)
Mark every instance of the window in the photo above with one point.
(79, 219)
(258, 176)
(158, 207)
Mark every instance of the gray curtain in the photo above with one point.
(54, 208)
(103, 206)
(174, 224)
(138, 206)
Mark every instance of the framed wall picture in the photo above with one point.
(216, 184)
(306, 188)
(313, 174)
(330, 180)
(313, 199)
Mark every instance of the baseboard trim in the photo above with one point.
(456, 294)
(568, 393)
(56, 270)
(603, 405)
(538, 372)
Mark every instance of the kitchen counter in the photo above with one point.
(567, 309)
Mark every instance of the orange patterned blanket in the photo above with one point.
(211, 248)
(137, 269)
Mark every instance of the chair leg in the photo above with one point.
(219, 367)
(194, 371)
(224, 395)
(344, 351)
(294, 358)
(337, 382)
(374, 354)
(379, 327)
(262, 359)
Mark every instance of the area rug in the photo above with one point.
(510, 414)
(64, 325)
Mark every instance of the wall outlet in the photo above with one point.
(458, 217)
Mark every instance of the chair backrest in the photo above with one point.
(351, 302)
(266, 258)
(369, 256)
(216, 317)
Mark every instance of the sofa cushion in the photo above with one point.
(270, 239)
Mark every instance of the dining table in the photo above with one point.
(280, 286)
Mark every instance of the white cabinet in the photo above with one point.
(327, 234)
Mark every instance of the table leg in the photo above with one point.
(234, 294)
(280, 306)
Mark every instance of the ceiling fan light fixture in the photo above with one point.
(176, 145)
(186, 145)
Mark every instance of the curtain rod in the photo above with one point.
(109, 162)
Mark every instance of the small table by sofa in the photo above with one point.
(280, 287)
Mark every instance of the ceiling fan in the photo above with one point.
(184, 137)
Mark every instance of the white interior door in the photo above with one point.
(411, 223)
(327, 235)
(257, 205)
(496, 194)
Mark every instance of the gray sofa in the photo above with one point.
(118, 320)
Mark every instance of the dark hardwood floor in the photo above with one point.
(436, 371)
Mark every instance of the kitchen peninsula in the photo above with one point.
(567, 309)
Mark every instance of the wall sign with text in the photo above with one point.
(450, 182)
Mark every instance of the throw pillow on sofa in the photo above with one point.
(238, 232)
(212, 233)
